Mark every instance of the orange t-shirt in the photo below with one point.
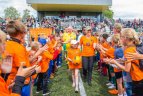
(110, 54)
(19, 54)
(51, 45)
(135, 72)
(105, 45)
(4, 89)
(72, 53)
(87, 45)
(46, 57)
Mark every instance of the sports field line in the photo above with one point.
(81, 87)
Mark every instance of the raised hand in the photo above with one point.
(25, 72)
(38, 69)
(6, 65)
(134, 56)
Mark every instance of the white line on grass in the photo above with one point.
(81, 87)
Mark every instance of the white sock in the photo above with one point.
(121, 95)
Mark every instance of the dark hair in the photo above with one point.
(105, 36)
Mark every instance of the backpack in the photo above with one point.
(140, 50)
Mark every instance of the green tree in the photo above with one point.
(108, 13)
(11, 13)
(26, 13)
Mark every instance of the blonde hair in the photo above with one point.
(2, 37)
(34, 45)
(116, 39)
(130, 34)
(118, 27)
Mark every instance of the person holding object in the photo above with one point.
(74, 63)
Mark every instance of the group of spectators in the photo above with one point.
(137, 24)
(59, 23)
(115, 52)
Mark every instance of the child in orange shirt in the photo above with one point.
(20, 75)
(130, 40)
(42, 83)
(105, 45)
(34, 48)
(117, 53)
(74, 58)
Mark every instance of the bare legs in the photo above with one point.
(75, 79)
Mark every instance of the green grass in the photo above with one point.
(61, 85)
(98, 87)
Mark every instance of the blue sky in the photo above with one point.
(122, 8)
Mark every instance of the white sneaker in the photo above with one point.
(59, 66)
(109, 84)
(125, 94)
(112, 86)
(46, 94)
(37, 92)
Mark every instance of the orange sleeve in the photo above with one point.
(14, 94)
(129, 50)
(110, 53)
(106, 45)
(81, 40)
(48, 55)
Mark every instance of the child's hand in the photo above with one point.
(11, 85)
(38, 69)
(39, 59)
(110, 61)
(69, 60)
(120, 60)
(43, 49)
(25, 72)
(106, 60)
(98, 47)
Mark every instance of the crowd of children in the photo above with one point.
(119, 56)
(124, 71)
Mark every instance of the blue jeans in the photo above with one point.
(128, 86)
(59, 60)
(50, 68)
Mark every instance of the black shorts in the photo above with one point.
(137, 88)
(118, 75)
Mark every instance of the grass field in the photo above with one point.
(61, 85)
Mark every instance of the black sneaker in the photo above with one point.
(76, 90)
